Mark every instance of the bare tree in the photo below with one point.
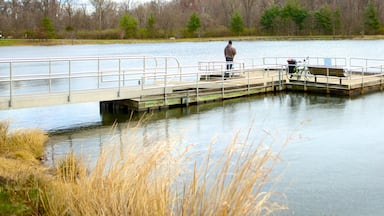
(248, 6)
(69, 10)
(103, 8)
(20, 16)
(229, 7)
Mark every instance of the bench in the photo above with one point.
(327, 71)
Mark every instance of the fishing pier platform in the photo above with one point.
(142, 83)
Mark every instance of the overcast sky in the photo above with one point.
(131, 1)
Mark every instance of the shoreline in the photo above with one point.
(55, 42)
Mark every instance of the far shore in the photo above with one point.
(53, 42)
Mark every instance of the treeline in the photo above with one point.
(107, 19)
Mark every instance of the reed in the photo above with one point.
(155, 178)
(129, 180)
(233, 182)
(26, 144)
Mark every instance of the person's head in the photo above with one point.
(229, 42)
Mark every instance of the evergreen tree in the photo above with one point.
(323, 20)
(371, 20)
(194, 23)
(292, 11)
(237, 23)
(46, 29)
(151, 25)
(129, 25)
(269, 19)
(337, 22)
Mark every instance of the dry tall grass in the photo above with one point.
(22, 144)
(134, 178)
(232, 184)
(158, 179)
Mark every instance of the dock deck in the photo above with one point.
(207, 89)
(145, 83)
(353, 84)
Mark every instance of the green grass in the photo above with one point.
(50, 42)
(9, 204)
(19, 197)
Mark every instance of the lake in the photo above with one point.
(332, 164)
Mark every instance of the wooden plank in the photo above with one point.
(327, 71)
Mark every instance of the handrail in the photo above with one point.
(334, 61)
(61, 68)
(65, 75)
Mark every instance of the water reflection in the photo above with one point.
(195, 123)
(190, 124)
(334, 156)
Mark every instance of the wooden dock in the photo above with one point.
(352, 85)
(208, 89)
(259, 82)
(142, 83)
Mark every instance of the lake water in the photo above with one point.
(332, 164)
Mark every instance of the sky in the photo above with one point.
(132, 1)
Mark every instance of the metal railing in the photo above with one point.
(50, 76)
(329, 61)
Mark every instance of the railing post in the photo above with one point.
(248, 81)
(166, 66)
(10, 84)
(121, 72)
(350, 78)
(156, 68)
(327, 78)
(165, 86)
(118, 92)
(197, 86)
(99, 79)
(222, 79)
(69, 80)
(280, 78)
(50, 75)
(144, 68)
(180, 71)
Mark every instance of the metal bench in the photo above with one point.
(327, 71)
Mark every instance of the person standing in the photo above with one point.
(229, 53)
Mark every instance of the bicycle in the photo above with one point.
(298, 68)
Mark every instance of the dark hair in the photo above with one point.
(230, 42)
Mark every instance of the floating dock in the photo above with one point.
(142, 83)
(214, 88)
(209, 88)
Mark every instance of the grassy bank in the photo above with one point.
(157, 178)
(51, 42)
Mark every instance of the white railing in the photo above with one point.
(329, 61)
(50, 76)
(67, 74)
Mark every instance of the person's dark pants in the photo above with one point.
(229, 61)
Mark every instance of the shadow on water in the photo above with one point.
(94, 135)
(293, 100)
(288, 108)
(296, 100)
(108, 118)
(290, 105)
